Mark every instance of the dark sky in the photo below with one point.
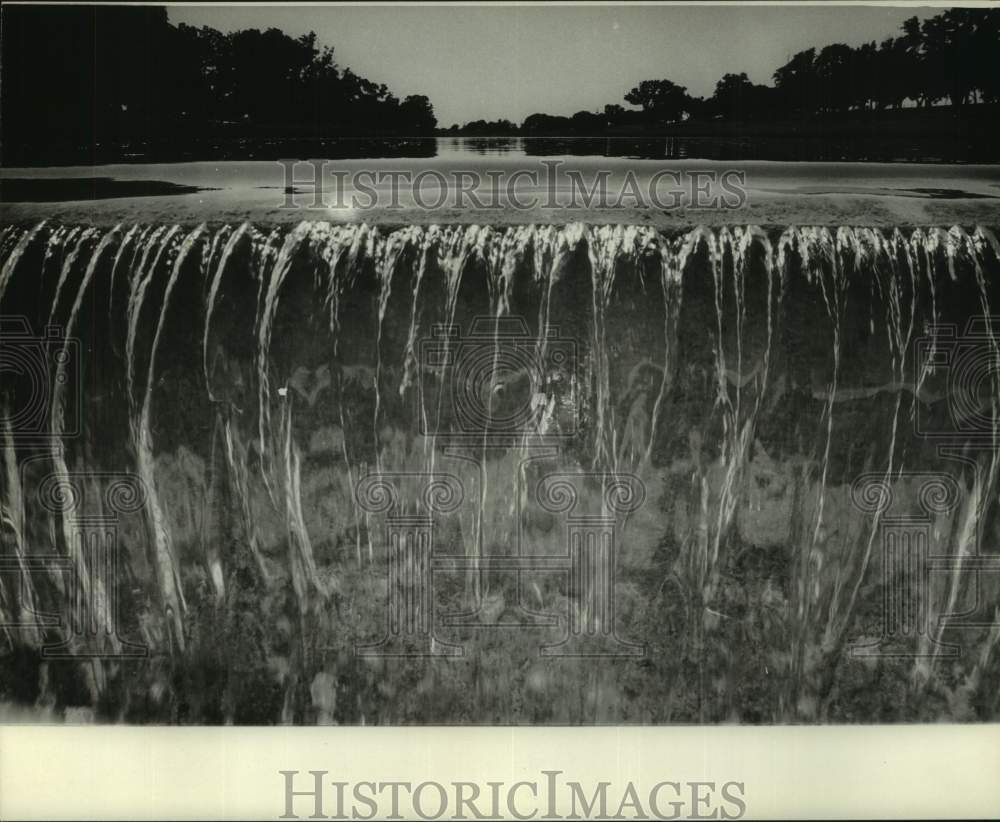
(490, 62)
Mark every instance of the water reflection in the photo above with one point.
(866, 148)
(480, 146)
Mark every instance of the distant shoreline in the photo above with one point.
(940, 134)
(959, 134)
(910, 121)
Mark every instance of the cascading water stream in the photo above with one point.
(732, 370)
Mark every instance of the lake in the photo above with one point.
(776, 192)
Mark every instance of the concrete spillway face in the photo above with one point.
(248, 378)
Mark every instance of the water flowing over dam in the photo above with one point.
(368, 474)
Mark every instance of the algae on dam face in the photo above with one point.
(465, 474)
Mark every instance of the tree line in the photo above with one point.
(80, 82)
(100, 83)
(952, 57)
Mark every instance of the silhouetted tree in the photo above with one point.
(796, 82)
(959, 48)
(662, 101)
(110, 77)
(418, 113)
(545, 124)
(614, 114)
(586, 122)
(918, 84)
(835, 77)
(985, 48)
(736, 98)
(487, 128)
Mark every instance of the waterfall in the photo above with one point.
(747, 375)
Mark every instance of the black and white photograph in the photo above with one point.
(500, 365)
